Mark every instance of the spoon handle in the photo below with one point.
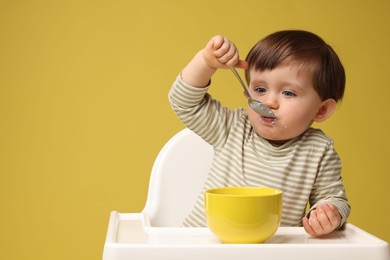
(240, 80)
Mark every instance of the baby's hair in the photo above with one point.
(309, 51)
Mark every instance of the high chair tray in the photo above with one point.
(130, 236)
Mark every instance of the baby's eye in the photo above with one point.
(288, 93)
(260, 89)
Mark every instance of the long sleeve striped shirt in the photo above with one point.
(307, 168)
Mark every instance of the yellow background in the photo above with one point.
(84, 110)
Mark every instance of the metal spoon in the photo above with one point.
(257, 106)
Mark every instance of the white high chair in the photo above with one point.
(177, 178)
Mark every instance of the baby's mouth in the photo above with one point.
(269, 120)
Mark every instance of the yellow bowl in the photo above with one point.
(243, 214)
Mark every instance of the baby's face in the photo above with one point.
(288, 91)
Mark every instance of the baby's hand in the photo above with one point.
(323, 220)
(222, 53)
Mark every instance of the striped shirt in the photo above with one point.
(306, 168)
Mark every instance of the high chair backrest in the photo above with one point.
(177, 178)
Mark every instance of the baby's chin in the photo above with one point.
(275, 140)
(277, 143)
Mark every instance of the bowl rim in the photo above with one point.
(212, 191)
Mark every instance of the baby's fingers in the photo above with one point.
(230, 58)
(331, 216)
(307, 227)
(322, 221)
(216, 42)
(220, 52)
(315, 223)
(227, 53)
(241, 64)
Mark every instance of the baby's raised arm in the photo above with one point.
(218, 53)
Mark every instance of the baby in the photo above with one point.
(300, 78)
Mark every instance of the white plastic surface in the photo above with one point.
(177, 178)
(130, 236)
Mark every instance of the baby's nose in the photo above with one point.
(271, 102)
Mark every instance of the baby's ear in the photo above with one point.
(245, 95)
(326, 110)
